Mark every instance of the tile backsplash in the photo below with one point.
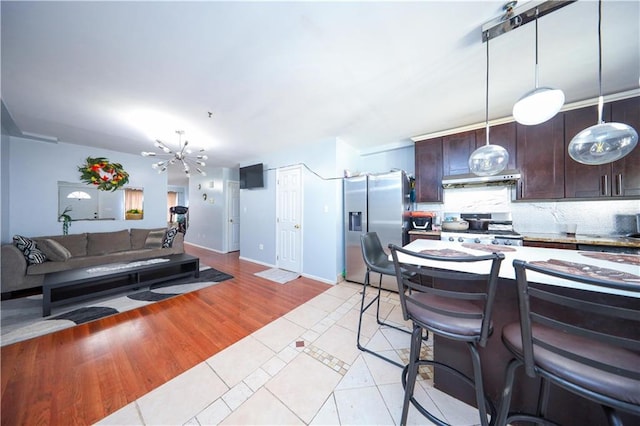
(600, 217)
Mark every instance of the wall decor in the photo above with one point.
(104, 175)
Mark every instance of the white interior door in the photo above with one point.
(289, 218)
(233, 216)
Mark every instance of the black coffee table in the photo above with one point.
(84, 283)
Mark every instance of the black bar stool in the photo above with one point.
(459, 311)
(597, 358)
(377, 261)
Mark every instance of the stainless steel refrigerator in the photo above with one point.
(374, 203)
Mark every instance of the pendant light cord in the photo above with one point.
(486, 104)
(537, 48)
(600, 98)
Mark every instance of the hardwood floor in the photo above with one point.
(82, 374)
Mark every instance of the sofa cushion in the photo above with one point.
(169, 236)
(139, 237)
(31, 253)
(75, 243)
(107, 242)
(54, 251)
(154, 239)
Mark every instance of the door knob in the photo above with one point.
(297, 226)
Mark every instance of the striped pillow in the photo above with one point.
(31, 253)
(169, 236)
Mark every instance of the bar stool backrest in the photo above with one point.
(374, 255)
(557, 308)
(415, 276)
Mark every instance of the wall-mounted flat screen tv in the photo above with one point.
(252, 176)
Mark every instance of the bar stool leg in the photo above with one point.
(411, 371)
(479, 387)
(505, 401)
(363, 308)
(543, 397)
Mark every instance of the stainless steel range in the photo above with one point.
(499, 230)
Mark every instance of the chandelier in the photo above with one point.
(181, 157)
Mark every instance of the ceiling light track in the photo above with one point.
(515, 18)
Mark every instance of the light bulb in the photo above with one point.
(148, 154)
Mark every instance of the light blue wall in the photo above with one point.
(207, 224)
(323, 229)
(4, 186)
(321, 210)
(36, 167)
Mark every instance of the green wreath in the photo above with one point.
(102, 174)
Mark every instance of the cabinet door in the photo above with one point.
(626, 171)
(540, 157)
(503, 135)
(428, 156)
(582, 180)
(456, 150)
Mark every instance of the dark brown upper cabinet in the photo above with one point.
(540, 158)
(626, 171)
(503, 135)
(456, 150)
(617, 179)
(428, 157)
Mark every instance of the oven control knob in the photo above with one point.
(477, 241)
(451, 239)
(495, 242)
(507, 243)
(460, 240)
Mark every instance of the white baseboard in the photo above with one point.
(205, 248)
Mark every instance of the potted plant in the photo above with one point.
(133, 214)
(66, 220)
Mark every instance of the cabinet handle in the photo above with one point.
(520, 186)
(619, 184)
(605, 185)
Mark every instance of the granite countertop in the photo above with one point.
(600, 240)
(624, 263)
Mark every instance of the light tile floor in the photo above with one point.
(303, 368)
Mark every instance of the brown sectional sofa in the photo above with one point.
(82, 250)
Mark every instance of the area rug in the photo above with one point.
(22, 318)
(278, 275)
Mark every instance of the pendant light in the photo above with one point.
(489, 159)
(602, 143)
(540, 104)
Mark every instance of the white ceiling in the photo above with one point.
(274, 74)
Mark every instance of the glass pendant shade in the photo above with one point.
(603, 143)
(538, 106)
(488, 160)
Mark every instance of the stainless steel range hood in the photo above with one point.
(504, 178)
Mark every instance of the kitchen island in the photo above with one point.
(564, 407)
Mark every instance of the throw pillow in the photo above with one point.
(168, 237)
(53, 250)
(155, 239)
(29, 250)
